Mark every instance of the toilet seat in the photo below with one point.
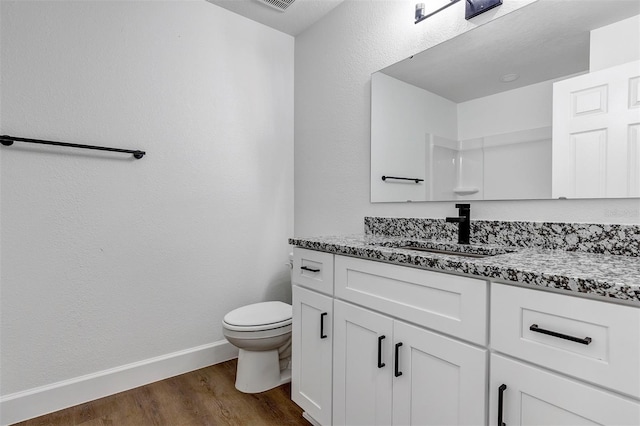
(259, 317)
(252, 334)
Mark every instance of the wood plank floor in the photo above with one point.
(202, 397)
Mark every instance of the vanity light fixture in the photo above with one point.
(476, 7)
(472, 7)
(435, 6)
(419, 11)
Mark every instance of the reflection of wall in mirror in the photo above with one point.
(401, 118)
(624, 35)
(513, 128)
(458, 166)
(518, 164)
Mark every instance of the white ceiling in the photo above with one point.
(299, 16)
(542, 41)
(545, 40)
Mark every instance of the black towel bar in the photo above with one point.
(417, 180)
(7, 140)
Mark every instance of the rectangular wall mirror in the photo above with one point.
(541, 103)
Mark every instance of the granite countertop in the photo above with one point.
(614, 277)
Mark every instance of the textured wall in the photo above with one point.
(334, 60)
(108, 260)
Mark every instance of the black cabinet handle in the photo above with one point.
(585, 341)
(306, 268)
(501, 390)
(397, 372)
(322, 335)
(380, 363)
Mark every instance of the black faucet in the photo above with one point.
(464, 221)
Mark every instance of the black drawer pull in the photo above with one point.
(380, 363)
(322, 335)
(501, 390)
(306, 268)
(585, 341)
(397, 372)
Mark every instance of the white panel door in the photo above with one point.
(312, 337)
(437, 380)
(595, 134)
(531, 396)
(362, 367)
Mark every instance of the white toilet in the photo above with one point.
(262, 332)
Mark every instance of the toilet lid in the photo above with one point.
(259, 314)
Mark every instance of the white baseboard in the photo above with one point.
(35, 402)
(310, 419)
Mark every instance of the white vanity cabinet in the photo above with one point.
(579, 359)
(411, 346)
(388, 371)
(312, 333)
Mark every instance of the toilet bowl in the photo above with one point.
(262, 333)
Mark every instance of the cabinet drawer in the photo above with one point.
(447, 303)
(313, 269)
(595, 341)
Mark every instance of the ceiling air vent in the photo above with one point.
(280, 5)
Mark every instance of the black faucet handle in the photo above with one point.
(464, 222)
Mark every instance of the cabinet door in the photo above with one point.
(311, 353)
(596, 134)
(442, 381)
(362, 369)
(536, 397)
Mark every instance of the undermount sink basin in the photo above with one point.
(446, 247)
(455, 253)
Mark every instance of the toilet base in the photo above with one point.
(259, 371)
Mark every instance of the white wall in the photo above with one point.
(527, 107)
(402, 116)
(514, 170)
(602, 56)
(333, 65)
(108, 260)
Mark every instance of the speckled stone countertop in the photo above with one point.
(614, 277)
